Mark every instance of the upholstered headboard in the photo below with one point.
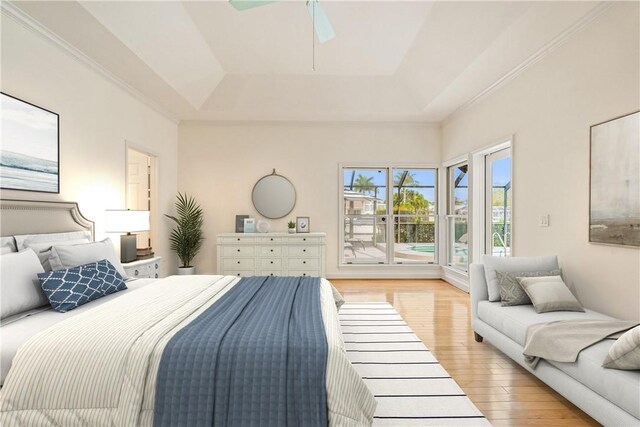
(39, 217)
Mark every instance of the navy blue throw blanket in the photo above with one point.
(256, 357)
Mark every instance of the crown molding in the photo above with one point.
(553, 44)
(12, 11)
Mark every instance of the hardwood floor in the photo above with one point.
(439, 314)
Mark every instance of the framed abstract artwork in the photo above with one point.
(614, 216)
(30, 149)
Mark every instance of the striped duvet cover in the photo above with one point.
(100, 367)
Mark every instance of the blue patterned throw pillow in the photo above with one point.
(70, 288)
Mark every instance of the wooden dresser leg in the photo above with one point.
(477, 337)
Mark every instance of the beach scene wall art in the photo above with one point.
(29, 148)
(615, 181)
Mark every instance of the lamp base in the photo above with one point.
(128, 243)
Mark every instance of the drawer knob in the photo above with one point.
(271, 239)
(238, 262)
(304, 262)
(304, 240)
(304, 274)
(304, 250)
(271, 262)
(238, 239)
(156, 275)
(271, 250)
(136, 273)
(238, 250)
(157, 266)
(238, 275)
(272, 274)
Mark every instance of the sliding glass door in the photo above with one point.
(498, 193)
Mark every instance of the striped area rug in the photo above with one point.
(411, 387)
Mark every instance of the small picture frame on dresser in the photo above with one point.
(302, 224)
(240, 223)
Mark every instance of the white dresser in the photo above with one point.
(271, 254)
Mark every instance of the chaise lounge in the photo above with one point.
(610, 396)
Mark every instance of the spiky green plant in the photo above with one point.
(186, 239)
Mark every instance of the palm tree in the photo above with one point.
(363, 184)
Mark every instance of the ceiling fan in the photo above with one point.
(322, 26)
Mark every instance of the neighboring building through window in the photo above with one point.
(383, 202)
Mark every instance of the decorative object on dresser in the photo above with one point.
(614, 211)
(302, 224)
(186, 238)
(144, 268)
(30, 152)
(271, 254)
(263, 226)
(273, 196)
(240, 223)
(291, 227)
(249, 225)
(127, 221)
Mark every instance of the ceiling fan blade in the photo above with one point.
(324, 30)
(249, 4)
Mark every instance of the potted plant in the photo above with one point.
(291, 226)
(186, 238)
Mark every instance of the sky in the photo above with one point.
(28, 130)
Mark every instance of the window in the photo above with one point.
(389, 215)
(457, 216)
(498, 203)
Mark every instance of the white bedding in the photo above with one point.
(18, 329)
(99, 367)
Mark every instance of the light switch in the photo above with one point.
(543, 220)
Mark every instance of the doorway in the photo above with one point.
(141, 191)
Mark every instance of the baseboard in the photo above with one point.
(456, 278)
(434, 273)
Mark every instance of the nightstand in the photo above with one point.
(148, 268)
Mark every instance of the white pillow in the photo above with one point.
(513, 265)
(19, 284)
(43, 250)
(7, 245)
(22, 241)
(549, 293)
(625, 352)
(68, 256)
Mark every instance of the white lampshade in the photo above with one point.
(126, 221)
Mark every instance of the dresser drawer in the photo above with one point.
(238, 263)
(271, 263)
(238, 239)
(303, 251)
(294, 240)
(238, 251)
(304, 264)
(267, 239)
(238, 273)
(142, 271)
(270, 251)
(271, 273)
(309, 273)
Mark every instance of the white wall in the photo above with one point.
(593, 77)
(96, 117)
(219, 164)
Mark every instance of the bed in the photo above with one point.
(106, 362)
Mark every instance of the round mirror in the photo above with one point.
(274, 196)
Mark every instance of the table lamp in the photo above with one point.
(127, 221)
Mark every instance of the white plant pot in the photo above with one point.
(186, 271)
(292, 230)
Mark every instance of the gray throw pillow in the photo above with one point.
(509, 264)
(625, 352)
(549, 293)
(511, 293)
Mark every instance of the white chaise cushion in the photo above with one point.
(513, 321)
(513, 265)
